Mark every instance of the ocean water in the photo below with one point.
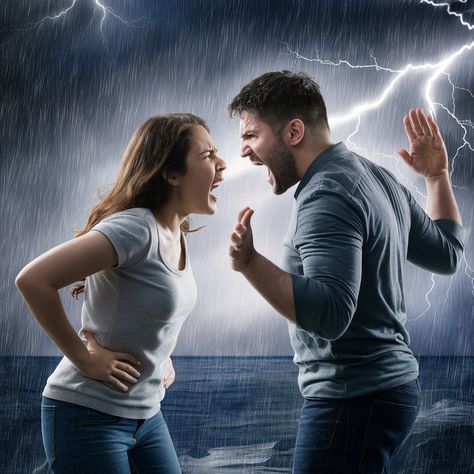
(234, 415)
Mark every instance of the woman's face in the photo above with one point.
(204, 173)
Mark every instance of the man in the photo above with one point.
(353, 227)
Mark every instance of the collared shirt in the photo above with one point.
(352, 229)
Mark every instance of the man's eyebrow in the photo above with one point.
(247, 132)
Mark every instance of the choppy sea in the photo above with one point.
(234, 415)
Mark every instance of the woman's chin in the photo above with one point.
(207, 209)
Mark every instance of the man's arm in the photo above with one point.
(436, 239)
(329, 240)
(270, 281)
(429, 159)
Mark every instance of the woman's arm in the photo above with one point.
(39, 282)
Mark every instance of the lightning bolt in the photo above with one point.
(450, 12)
(98, 6)
(436, 70)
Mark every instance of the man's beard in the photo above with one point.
(283, 167)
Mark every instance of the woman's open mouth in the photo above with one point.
(214, 186)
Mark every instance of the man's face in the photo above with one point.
(263, 147)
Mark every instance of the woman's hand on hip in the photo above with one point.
(114, 368)
(170, 374)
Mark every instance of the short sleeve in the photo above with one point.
(130, 235)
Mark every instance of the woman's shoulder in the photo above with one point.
(132, 212)
(129, 231)
(134, 223)
(138, 216)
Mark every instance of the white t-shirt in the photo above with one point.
(139, 307)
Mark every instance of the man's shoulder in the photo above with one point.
(322, 185)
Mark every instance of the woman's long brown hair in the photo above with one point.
(160, 144)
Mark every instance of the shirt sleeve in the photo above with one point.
(437, 245)
(329, 239)
(129, 234)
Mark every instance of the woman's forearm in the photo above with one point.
(45, 304)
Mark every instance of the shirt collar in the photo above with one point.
(328, 154)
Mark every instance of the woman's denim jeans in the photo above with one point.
(81, 440)
(355, 435)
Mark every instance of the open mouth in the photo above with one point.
(214, 186)
(270, 178)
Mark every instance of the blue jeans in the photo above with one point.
(79, 440)
(355, 435)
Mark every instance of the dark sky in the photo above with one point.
(74, 89)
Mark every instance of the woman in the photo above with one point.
(101, 406)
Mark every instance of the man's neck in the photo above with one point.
(306, 156)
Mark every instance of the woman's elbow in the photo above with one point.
(23, 280)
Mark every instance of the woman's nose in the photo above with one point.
(221, 165)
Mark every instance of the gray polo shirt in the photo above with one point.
(352, 228)
(139, 307)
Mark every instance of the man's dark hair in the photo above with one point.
(277, 97)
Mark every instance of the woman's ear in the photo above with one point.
(172, 178)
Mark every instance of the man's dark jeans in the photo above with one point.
(355, 435)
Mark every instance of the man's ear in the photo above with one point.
(171, 177)
(295, 131)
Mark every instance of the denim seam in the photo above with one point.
(364, 444)
(334, 431)
(402, 406)
(52, 409)
(74, 430)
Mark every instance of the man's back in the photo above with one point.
(352, 229)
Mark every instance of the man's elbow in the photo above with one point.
(452, 263)
(333, 321)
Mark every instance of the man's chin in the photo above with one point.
(278, 189)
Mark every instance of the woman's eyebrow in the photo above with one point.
(213, 149)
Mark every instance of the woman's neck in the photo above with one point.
(169, 219)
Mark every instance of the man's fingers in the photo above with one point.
(236, 239)
(241, 213)
(245, 221)
(423, 122)
(233, 252)
(406, 156)
(127, 368)
(434, 127)
(415, 123)
(409, 129)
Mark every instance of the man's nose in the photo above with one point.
(245, 150)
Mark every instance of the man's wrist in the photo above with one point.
(247, 269)
(437, 177)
